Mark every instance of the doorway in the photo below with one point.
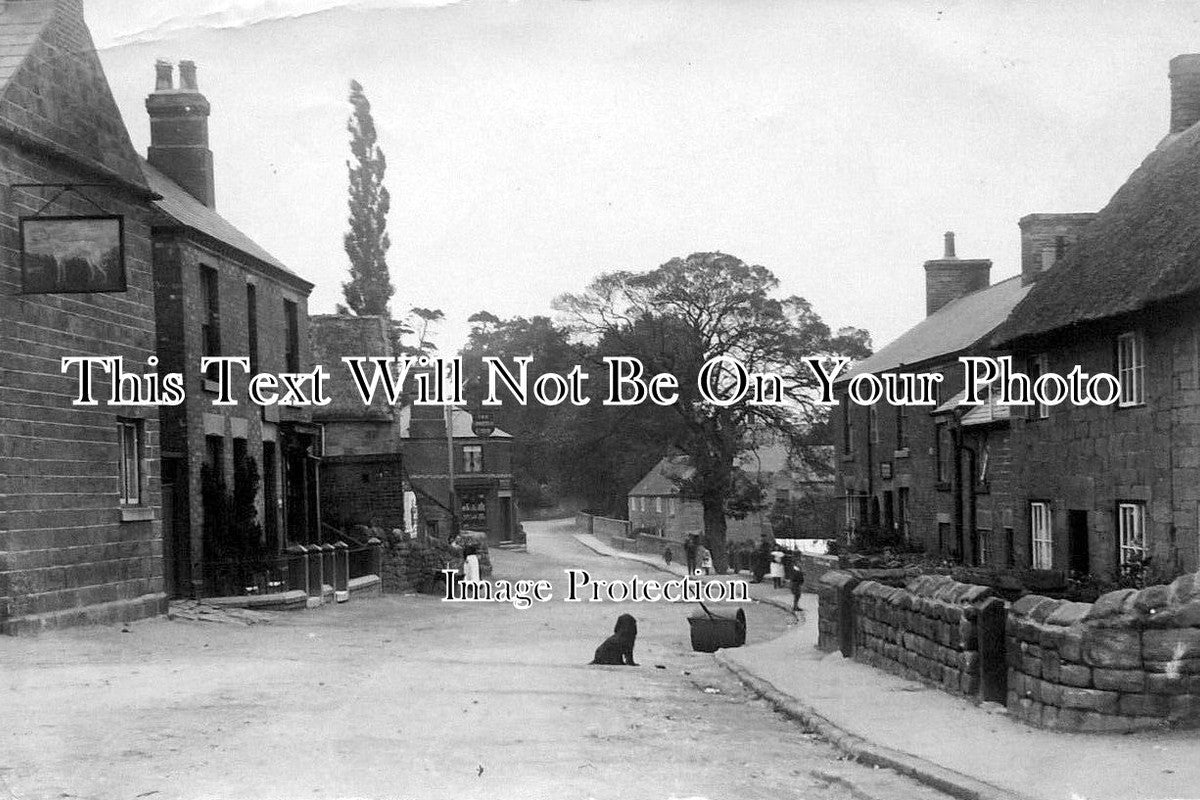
(1078, 557)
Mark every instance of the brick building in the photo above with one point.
(390, 465)
(901, 470)
(80, 535)
(1100, 489)
(482, 467)
(218, 293)
(362, 469)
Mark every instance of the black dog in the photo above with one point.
(618, 648)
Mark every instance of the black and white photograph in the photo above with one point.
(599, 399)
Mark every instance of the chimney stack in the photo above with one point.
(179, 131)
(163, 76)
(1184, 73)
(187, 76)
(949, 278)
(1046, 238)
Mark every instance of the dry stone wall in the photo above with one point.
(1129, 661)
(927, 631)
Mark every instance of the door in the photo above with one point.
(177, 549)
(1078, 558)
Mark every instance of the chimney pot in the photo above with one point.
(1184, 73)
(949, 245)
(163, 76)
(187, 76)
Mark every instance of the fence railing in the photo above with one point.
(311, 569)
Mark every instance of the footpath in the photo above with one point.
(970, 751)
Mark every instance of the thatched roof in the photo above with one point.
(1143, 248)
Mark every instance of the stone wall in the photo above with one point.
(814, 567)
(410, 565)
(835, 602)
(928, 631)
(1129, 661)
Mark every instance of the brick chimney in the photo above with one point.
(1184, 73)
(950, 277)
(179, 131)
(1046, 238)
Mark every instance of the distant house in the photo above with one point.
(218, 293)
(390, 465)
(656, 507)
(484, 490)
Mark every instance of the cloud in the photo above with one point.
(155, 21)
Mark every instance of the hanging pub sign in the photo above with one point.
(483, 423)
(62, 255)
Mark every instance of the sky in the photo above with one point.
(533, 144)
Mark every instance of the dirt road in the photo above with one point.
(405, 697)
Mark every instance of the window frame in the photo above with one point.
(847, 427)
(1138, 516)
(472, 463)
(1135, 370)
(252, 326)
(1039, 546)
(130, 453)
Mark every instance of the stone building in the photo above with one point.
(389, 465)
(656, 507)
(1101, 489)
(80, 534)
(362, 469)
(218, 293)
(900, 468)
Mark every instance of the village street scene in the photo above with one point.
(493, 399)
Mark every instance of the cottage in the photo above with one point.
(900, 467)
(1114, 491)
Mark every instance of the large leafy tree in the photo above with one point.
(369, 289)
(690, 310)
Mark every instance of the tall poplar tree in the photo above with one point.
(370, 287)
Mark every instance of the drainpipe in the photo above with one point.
(970, 514)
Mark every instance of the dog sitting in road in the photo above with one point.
(618, 648)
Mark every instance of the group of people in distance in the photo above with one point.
(762, 561)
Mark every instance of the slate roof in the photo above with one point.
(658, 480)
(766, 460)
(1142, 248)
(46, 51)
(953, 328)
(462, 422)
(21, 25)
(189, 212)
(461, 426)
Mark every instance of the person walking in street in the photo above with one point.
(470, 551)
(706, 561)
(796, 579)
(761, 559)
(689, 551)
(777, 569)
